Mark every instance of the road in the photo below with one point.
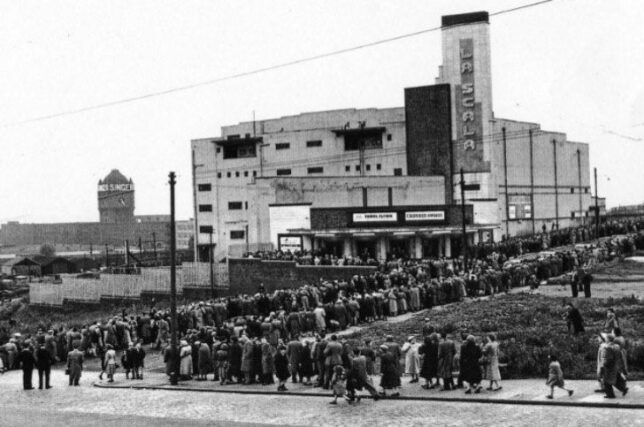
(71, 406)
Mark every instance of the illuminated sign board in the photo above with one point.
(469, 119)
(116, 187)
(425, 216)
(375, 217)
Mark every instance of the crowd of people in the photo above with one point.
(291, 333)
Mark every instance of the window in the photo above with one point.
(572, 190)
(218, 174)
(232, 206)
(388, 137)
(398, 172)
(228, 174)
(240, 151)
(246, 205)
(357, 168)
(218, 150)
(247, 135)
(205, 208)
(282, 145)
(245, 173)
(205, 229)
(315, 143)
(236, 234)
(347, 168)
(254, 173)
(366, 140)
(572, 214)
(281, 172)
(378, 166)
(317, 169)
(368, 167)
(512, 212)
(527, 211)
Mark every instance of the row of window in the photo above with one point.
(232, 206)
(234, 234)
(287, 171)
(309, 144)
(572, 189)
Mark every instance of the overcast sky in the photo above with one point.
(572, 65)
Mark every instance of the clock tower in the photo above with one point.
(116, 199)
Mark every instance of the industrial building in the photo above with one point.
(117, 223)
(387, 181)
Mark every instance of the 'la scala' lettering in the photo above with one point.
(468, 117)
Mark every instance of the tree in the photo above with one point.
(47, 249)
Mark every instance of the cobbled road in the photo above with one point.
(87, 405)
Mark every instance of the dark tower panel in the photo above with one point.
(428, 127)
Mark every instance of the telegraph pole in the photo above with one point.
(211, 262)
(107, 250)
(596, 207)
(173, 288)
(464, 233)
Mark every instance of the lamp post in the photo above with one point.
(173, 288)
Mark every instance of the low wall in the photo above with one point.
(246, 274)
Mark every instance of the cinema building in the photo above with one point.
(387, 181)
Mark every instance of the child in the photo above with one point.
(222, 363)
(281, 368)
(555, 377)
(338, 383)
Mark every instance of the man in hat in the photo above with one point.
(26, 361)
(44, 360)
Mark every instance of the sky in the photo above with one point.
(573, 66)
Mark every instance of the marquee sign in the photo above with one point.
(425, 216)
(375, 217)
(290, 243)
(116, 187)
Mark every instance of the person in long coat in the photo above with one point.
(204, 362)
(446, 353)
(26, 361)
(412, 360)
(281, 368)
(74, 365)
(234, 360)
(185, 361)
(306, 363)
(470, 368)
(247, 359)
(268, 365)
(491, 354)
(429, 368)
(390, 372)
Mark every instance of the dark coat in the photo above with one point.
(44, 359)
(446, 353)
(429, 369)
(470, 369)
(390, 373)
(281, 367)
(306, 362)
(26, 359)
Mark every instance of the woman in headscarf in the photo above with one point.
(470, 368)
(412, 362)
(185, 361)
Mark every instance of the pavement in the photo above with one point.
(516, 392)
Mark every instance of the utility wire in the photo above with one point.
(252, 72)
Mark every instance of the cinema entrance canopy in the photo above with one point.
(382, 232)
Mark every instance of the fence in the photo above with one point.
(124, 285)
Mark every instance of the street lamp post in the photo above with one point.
(173, 288)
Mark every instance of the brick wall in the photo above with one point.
(247, 274)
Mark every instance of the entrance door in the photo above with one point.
(398, 248)
(331, 247)
(431, 248)
(366, 249)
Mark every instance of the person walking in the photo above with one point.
(44, 360)
(390, 379)
(491, 354)
(555, 377)
(75, 365)
(26, 361)
(358, 377)
(446, 353)
(412, 360)
(429, 369)
(586, 279)
(470, 368)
